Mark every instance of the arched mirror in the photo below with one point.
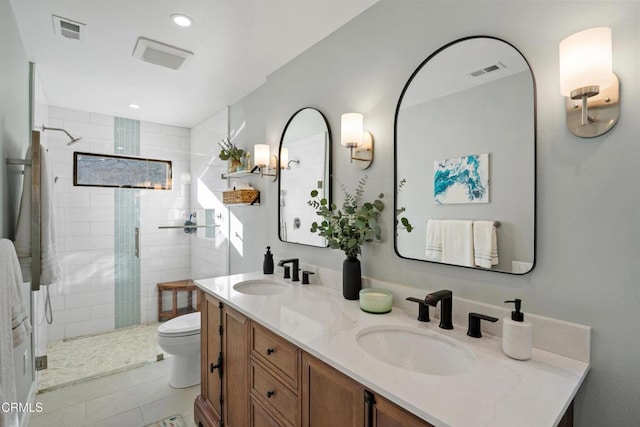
(305, 165)
(465, 153)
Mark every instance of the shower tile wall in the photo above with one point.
(305, 176)
(84, 301)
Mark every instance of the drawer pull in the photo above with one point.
(269, 351)
(270, 393)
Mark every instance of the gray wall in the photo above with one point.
(588, 199)
(14, 115)
(14, 141)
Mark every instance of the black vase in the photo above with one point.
(351, 278)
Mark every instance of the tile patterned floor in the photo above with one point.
(132, 398)
(70, 361)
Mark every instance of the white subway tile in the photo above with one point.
(101, 119)
(85, 300)
(67, 114)
(64, 317)
(102, 310)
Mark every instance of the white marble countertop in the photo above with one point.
(497, 391)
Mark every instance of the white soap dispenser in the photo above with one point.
(517, 334)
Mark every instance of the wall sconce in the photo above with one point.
(263, 161)
(359, 142)
(588, 82)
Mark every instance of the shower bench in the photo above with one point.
(175, 287)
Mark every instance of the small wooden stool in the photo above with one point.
(174, 287)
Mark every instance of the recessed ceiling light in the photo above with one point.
(134, 106)
(181, 20)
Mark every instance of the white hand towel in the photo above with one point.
(485, 243)
(457, 242)
(50, 267)
(14, 326)
(11, 277)
(433, 250)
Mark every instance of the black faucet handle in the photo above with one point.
(287, 272)
(305, 276)
(474, 324)
(423, 309)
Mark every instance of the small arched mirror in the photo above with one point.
(305, 165)
(465, 153)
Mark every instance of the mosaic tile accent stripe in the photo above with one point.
(127, 219)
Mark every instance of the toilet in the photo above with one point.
(180, 337)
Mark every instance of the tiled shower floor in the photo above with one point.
(77, 359)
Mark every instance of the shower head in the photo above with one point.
(73, 140)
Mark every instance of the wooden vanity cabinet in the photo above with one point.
(386, 414)
(330, 398)
(267, 381)
(224, 366)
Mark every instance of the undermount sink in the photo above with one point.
(261, 287)
(415, 350)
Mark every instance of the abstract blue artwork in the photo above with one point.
(461, 180)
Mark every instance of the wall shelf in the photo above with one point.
(241, 174)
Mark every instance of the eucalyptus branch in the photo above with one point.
(351, 226)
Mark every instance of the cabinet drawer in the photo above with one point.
(274, 395)
(275, 353)
(260, 417)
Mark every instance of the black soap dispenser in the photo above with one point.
(267, 264)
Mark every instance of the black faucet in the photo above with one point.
(294, 262)
(445, 298)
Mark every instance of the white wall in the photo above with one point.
(83, 303)
(209, 254)
(588, 197)
(14, 116)
(14, 141)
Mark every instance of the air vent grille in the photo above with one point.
(485, 70)
(68, 29)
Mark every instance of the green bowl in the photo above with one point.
(376, 301)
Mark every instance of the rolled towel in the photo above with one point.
(485, 243)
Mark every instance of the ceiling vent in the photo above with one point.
(68, 29)
(161, 54)
(488, 69)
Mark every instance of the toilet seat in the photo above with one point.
(182, 326)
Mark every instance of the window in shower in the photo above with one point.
(108, 170)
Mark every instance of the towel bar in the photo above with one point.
(187, 226)
(20, 162)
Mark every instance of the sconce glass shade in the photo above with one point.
(284, 157)
(585, 60)
(351, 129)
(261, 154)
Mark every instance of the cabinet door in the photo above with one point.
(236, 368)
(386, 414)
(212, 344)
(329, 398)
